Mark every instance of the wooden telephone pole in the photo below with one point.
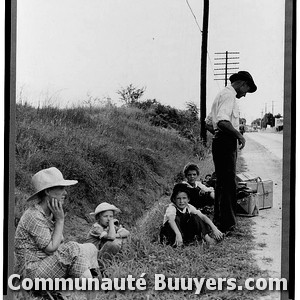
(203, 71)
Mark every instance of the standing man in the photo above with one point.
(225, 121)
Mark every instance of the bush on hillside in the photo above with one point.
(131, 94)
(186, 122)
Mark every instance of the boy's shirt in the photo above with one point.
(170, 213)
(200, 185)
(96, 233)
(98, 230)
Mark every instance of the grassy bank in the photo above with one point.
(118, 156)
(115, 154)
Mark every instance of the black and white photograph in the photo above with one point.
(151, 151)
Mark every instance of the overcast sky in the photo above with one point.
(67, 49)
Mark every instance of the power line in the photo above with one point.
(187, 2)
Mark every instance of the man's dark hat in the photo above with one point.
(244, 75)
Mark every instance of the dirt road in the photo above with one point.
(263, 156)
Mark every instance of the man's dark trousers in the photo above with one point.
(224, 149)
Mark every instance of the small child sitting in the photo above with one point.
(200, 194)
(183, 223)
(106, 234)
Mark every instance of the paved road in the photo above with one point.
(273, 142)
(263, 156)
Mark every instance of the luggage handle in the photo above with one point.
(259, 180)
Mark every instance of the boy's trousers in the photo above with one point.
(190, 226)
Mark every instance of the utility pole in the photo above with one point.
(203, 71)
(229, 60)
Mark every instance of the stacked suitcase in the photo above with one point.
(261, 196)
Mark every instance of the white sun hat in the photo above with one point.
(103, 207)
(48, 178)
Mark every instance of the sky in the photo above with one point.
(68, 50)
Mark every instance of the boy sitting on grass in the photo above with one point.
(200, 194)
(183, 223)
(106, 234)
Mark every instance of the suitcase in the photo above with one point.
(246, 176)
(248, 206)
(263, 188)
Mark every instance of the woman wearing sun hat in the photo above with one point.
(40, 250)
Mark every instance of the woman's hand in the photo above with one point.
(178, 240)
(56, 208)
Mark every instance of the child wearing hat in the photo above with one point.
(183, 223)
(106, 233)
(200, 194)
